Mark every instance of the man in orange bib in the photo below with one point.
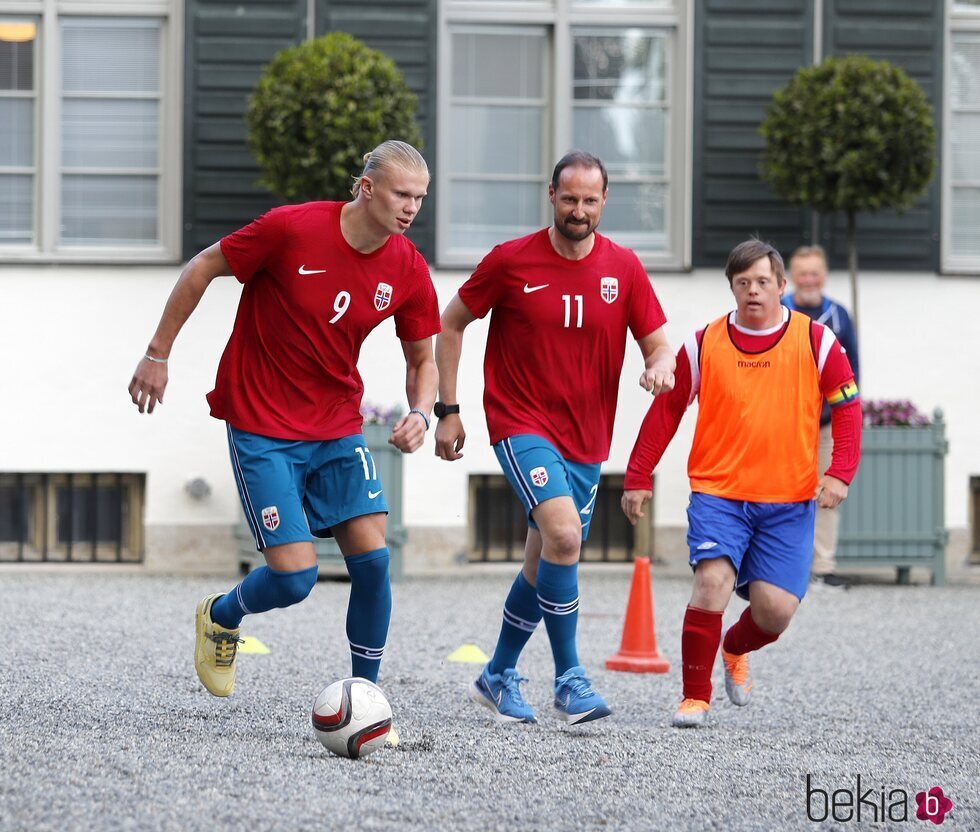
(760, 375)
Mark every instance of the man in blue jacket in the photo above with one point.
(808, 272)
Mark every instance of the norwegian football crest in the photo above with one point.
(539, 476)
(609, 289)
(382, 297)
(270, 518)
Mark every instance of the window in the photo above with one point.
(961, 175)
(520, 84)
(499, 151)
(498, 525)
(87, 518)
(18, 105)
(621, 113)
(88, 146)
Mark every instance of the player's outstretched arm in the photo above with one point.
(658, 428)
(658, 374)
(150, 379)
(421, 383)
(450, 435)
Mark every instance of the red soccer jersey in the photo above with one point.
(309, 301)
(557, 339)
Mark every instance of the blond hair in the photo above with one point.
(390, 154)
(809, 251)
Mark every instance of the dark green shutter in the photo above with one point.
(909, 34)
(744, 51)
(406, 32)
(228, 42)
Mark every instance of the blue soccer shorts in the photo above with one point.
(538, 472)
(291, 489)
(771, 542)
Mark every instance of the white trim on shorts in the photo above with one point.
(250, 514)
(518, 475)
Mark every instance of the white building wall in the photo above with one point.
(71, 336)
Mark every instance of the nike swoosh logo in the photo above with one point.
(529, 289)
(304, 270)
(500, 696)
(373, 494)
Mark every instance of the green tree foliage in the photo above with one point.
(852, 135)
(318, 108)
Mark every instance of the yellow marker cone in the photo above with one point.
(468, 654)
(250, 644)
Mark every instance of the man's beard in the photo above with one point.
(576, 232)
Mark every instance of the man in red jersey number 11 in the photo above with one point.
(563, 300)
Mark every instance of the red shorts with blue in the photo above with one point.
(771, 542)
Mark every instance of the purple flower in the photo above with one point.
(892, 413)
(380, 415)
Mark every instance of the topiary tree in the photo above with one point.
(850, 134)
(318, 108)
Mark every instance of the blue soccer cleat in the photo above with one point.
(501, 693)
(575, 700)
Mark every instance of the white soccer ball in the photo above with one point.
(352, 718)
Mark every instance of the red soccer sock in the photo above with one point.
(747, 636)
(699, 646)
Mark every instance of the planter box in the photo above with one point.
(895, 511)
(389, 461)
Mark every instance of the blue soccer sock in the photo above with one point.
(521, 616)
(558, 598)
(263, 589)
(368, 611)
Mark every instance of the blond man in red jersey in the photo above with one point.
(317, 279)
(761, 374)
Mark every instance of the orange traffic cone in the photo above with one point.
(638, 651)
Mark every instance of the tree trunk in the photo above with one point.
(852, 265)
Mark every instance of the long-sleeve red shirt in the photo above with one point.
(664, 416)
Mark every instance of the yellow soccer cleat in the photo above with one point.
(691, 713)
(215, 652)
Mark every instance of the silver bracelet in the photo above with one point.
(424, 417)
(149, 357)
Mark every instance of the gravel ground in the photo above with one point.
(103, 724)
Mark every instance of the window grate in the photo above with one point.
(71, 518)
(498, 526)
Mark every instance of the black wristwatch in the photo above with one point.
(441, 409)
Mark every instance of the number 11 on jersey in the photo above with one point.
(568, 309)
